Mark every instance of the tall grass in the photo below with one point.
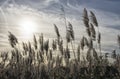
(38, 60)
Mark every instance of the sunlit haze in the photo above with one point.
(27, 26)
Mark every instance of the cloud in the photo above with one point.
(113, 0)
(116, 27)
(105, 5)
(47, 12)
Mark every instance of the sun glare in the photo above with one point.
(28, 26)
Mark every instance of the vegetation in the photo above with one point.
(38, 60)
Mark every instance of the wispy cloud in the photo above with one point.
(47, 12)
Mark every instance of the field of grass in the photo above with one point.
(38, 60)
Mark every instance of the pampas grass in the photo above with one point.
(38, 60)
(93, 18)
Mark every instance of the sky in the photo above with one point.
(27, 17)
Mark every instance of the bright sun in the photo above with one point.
(28, 26)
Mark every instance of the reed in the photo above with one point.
(38, 60)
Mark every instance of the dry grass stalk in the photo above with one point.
(99, 38)
(54, 45)
(50, 55)
(36, 65)
(118, 39)
(57, 31)
(41, 40)
(95, 55)
(35, 42)
(85, 18)
(88, 32)
(70, 28)
(12, 39)
(93, 18)
(89, 57)
(93, 32)
(86, 41)
(46, 46)
(70, 33)
(67, 53)
(114, 55)
(60, 46)
(90, 43)
(78, 53)
(82, 43)
(29, 47)
(68, 36)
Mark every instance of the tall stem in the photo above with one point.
(99, 44)
(73, 50)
